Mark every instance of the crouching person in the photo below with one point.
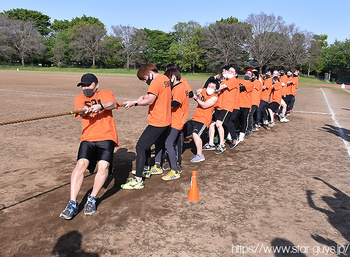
(202, 116)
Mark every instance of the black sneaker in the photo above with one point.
(179, 168)
(208, 147)
(233, 144)
(220, 149)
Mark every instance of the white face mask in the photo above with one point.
(227, 75)
(210, 91)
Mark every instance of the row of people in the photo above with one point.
(222, 101)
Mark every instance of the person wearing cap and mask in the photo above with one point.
(99, 137)
(206, 99)
(158, 98)
(262, 112)
(276, 97)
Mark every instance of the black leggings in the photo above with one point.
(251, 117)
(231, 128)
(151, 135)
(244, 116)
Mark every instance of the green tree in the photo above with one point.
(157, 47)
(87, 42)
(185, 49)
(41, 21)
(229, 20)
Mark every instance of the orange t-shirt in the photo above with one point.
(246, 96)
(204, 115)
(295, 86)
(276, 92)
(284, 80)
(229, 96)
(256, 94)
(290, 85)
(159, 113)
(265, 95)
(184, 81)
(179, 113)
(97, 126)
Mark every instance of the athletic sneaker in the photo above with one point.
(220, 149)
(198, 158)
(155, 170)
(248, 134)
(145, 173)
(255, 128)
(284, 119)
(272, 124)
(171, 175)
(90, 206)
(70, 210)
(133, 184)
(207, 146)
(166, 165)
(241, 137)
(290, 112)
(234, 144)
(179, 168)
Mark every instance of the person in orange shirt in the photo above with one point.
(180, 138)
(295, 79)
(283, 79)
(202, 116)
(228, 90)
(99, 137)
(158, 98)
(290, 91)
(246, 88)
(256, 97)
(276, 97)
(262, 112)
(179, 113)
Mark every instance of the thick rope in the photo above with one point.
(39, 117)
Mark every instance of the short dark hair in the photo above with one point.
(172, 71)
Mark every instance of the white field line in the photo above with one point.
(341, 131)
(324, 113)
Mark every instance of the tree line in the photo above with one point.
(261, 41)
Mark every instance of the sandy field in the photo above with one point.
(284, 189)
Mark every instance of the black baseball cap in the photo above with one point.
(87, 79)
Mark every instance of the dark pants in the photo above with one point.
(261, 112)
(231, 128)
(244, 116)
(251, 117)
(151, 135)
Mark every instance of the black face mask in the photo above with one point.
(246, 77)
(88, 92)
(282, 73)
(267, 76)
(294, 75)
(149, 80)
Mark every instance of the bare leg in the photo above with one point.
(211, 133)
(100, 178)
(198, 142)
(221, 132)
(77, 178)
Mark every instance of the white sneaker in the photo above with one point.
(284, 119)
(241, 137)
(229, 138)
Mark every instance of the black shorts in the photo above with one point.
(96, 151)
(273, 106)
(193, 126)
(221, 115)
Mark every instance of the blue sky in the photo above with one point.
(320, 17)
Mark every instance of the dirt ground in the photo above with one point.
(285, 187)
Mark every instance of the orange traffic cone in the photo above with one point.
(193, 194)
